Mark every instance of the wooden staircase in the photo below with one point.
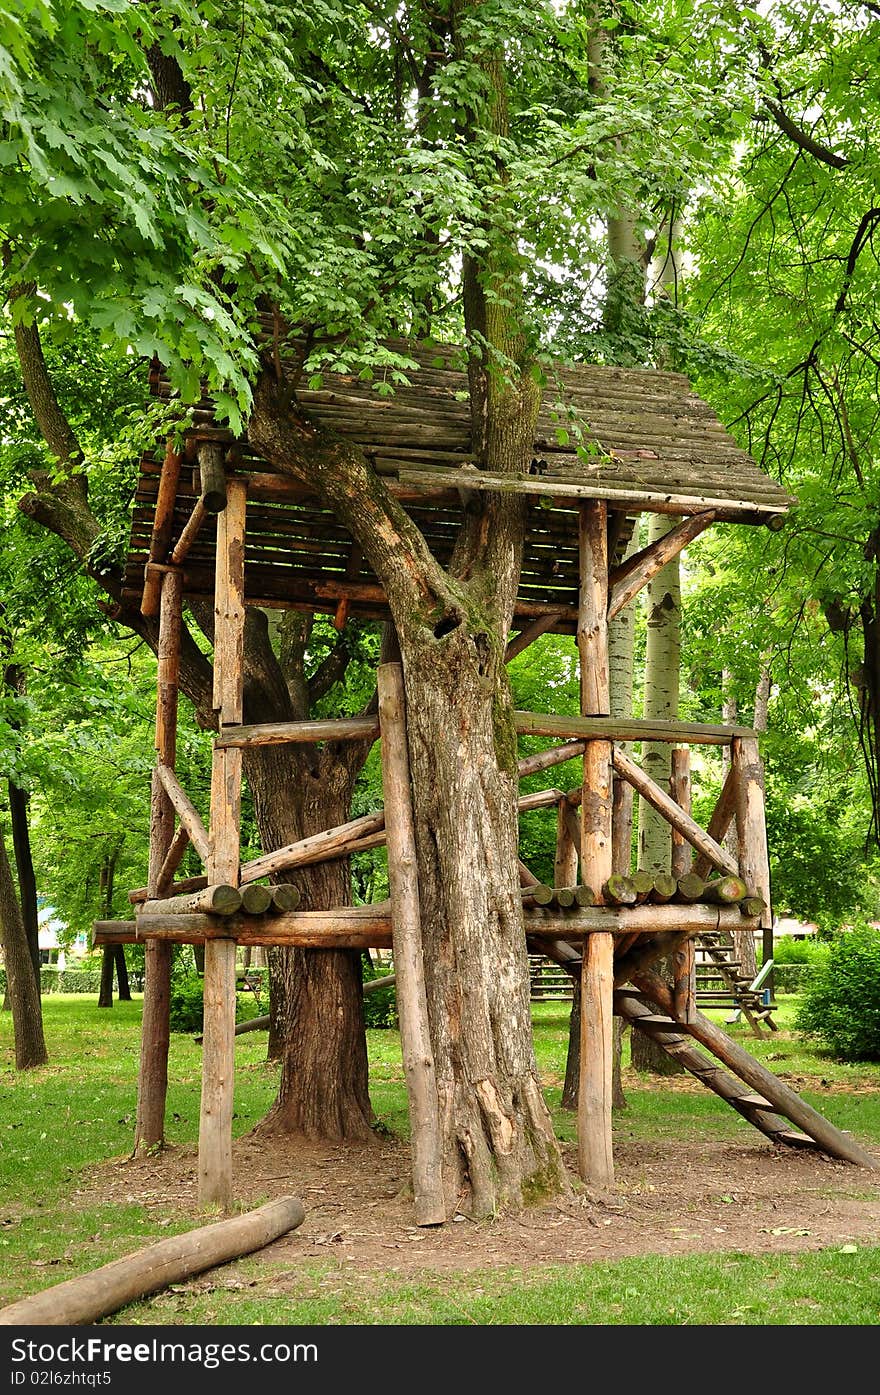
(548, 981)
(720, 982)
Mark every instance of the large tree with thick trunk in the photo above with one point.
(22, 985)
(358, 180)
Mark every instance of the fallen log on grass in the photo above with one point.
(105, 1290)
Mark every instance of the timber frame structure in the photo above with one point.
(213, 520)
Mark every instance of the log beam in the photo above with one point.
(218, 1066)
(83, 1300)
(665, 805)
(624, 729)
(186, 811)
(412, 1003)
(277, 733)
(633, 575)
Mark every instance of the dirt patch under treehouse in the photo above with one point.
(677, 1196)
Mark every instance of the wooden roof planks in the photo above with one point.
(649, 444)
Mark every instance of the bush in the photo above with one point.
(787, 950)
(186, 1010)
(841, 1007)
(792, 978)
(380, 1008)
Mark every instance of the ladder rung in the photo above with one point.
(757, 1102)
(795, 1139)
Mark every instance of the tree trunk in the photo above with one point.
(498, 1140)
(105, 992)
(660, 701)
(317, 998)
(123, 985)
(24, 999)
(24, 867)
(452, 625)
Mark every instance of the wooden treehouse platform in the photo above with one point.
(215, 520)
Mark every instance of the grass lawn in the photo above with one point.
(60, 1120)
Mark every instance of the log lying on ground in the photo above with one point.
(105, 1290)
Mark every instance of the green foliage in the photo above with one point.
(187, 1004)
(842, 1003)
(788, 950)
(380, 1007)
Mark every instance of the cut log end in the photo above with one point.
(285, 897)
(619, 890)
(690, 888)
(255, 899)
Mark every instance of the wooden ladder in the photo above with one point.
(764, 1100)
(716, 962)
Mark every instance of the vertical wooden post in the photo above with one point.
(218, 1052)
(565, 864)
(680, 789)
(751, 828)
(595, 1158)
(412, 1003)
(684, 981)
(684, 970)
(621, 826)
(155, 1024)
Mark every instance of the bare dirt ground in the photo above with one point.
(671, 1197)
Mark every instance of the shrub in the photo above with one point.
(186, 1009)
(380, 1008)
(787, 950)
(841, 1006)
(792, 978)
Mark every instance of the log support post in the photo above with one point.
(747, 771)
(680, 789)
(155, 1022)
(595, 1159)
(565, 863)
(412, 1001)
(218, 1067)
(684, 970)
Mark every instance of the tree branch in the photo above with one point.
(330, 670)
(57, 431)
(802, 138)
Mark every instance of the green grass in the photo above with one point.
(78, 1112)
(830, 1287)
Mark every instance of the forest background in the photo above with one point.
(699, 184)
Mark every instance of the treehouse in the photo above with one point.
(214, 522)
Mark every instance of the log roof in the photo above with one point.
(647, 443)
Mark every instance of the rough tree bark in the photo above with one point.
(452, 627)
(24, 997)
